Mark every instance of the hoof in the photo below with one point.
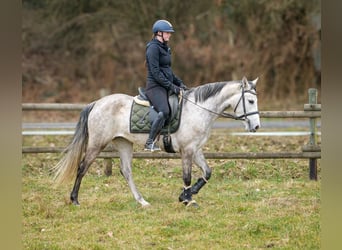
(76, 203)
(143, 203)
(146, 205)
(192, 203)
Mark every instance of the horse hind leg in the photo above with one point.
(125, 149)
(88, 159)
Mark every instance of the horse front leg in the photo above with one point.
(201, 162)
(186, 195)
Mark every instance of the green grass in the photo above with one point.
(247, 204)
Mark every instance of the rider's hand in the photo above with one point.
(184, 87)
(175, 89)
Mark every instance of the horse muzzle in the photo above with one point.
(252, 125)
(254, 129)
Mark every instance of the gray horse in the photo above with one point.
(107, 120)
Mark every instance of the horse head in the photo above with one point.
(246, 108)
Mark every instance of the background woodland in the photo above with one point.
(73, 50)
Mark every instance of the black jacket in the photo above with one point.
(159, 72)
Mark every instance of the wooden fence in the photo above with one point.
(311, 151)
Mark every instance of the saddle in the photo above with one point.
(143, 114)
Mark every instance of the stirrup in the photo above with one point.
(152, 147)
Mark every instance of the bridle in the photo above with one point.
(243, 117)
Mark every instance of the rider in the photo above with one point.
(160, 78)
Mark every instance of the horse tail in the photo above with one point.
(65, 170)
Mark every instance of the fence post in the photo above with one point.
(108, 162)
(313, 134)
(108, 166)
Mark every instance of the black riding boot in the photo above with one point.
(157, 125)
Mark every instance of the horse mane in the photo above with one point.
(208, 90)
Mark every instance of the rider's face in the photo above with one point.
(164, 36)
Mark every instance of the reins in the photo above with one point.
(226, 114)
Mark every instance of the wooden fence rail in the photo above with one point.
(311, 151)
(309, 112)
(109, 153)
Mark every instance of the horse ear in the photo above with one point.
(254, 82)
(244, 82)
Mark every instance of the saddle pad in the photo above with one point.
(140, 120)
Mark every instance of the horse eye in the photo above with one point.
(251, 101)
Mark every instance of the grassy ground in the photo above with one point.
(248, 204)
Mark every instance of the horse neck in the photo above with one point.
(228, 97)
(209, 108)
